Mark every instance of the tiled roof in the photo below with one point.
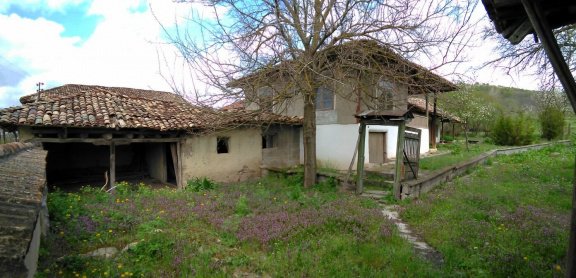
(419, 105)
(234, 105)
(22, 182)
(361, 55)
(112, 107)
(71, 90)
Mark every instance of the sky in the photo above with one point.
(122, 44)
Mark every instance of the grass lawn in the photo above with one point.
(510, 219)
(458, 153)
(271, 227)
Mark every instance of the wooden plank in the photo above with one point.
(112, 166)
(376, 147)
(175, 159)
(360, 166)
(101, 141)
(399, 160)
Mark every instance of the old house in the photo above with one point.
(420, 109)
(94, 133)
(364, 76)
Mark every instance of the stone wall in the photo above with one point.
(23, 214)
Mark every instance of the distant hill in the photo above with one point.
(507, 99)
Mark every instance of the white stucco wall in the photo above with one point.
(242, 162)
(336, 143)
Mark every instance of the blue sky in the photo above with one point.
(109, 43)
(74, 18)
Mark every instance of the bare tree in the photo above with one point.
(270, 52)
(530, 55)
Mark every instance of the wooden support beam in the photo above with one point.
(399, 160)
(433, 130)
(101, 141)
(360, 165)
(112, 166)
(545, 34)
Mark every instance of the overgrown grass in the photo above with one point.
(507, 220)
(272, 227)
(458, 153)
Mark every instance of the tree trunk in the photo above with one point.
(309, 130)
(466, 136)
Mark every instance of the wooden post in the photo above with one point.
(112, 165)
(441, 130)
(433, 130)
(546, 36)
(399, 159)
(360, 165)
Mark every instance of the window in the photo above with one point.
(324, 99)
(384, 95)
(222, 144)
(265, 98)
(269, 141)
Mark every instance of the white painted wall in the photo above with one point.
(336, 143)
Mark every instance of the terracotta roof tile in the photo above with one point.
(113, 107)
(419, 105)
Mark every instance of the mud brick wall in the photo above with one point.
(22, 192)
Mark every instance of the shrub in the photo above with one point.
(448, 138)
(551, 122)
(513, 130)
(200, 184)
(242, 207)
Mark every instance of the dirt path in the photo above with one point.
(391, 211)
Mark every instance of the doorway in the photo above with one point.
(377, 147)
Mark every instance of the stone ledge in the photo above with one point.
(414, 188)
(13, 148)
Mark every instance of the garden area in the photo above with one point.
(272, 227)
(505, 219)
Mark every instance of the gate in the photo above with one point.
(411, 153)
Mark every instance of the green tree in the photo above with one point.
(516, 130)
(551, 122)
(471, 109)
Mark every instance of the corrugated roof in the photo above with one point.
(125, 108)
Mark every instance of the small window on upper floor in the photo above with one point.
(384, 95)
(269, 141)
(222, 144)
(265, 98)
(324, 99)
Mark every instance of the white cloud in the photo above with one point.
(122, 51)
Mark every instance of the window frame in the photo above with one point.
(269, 141)
(321, 99)
(226, 141)
(385, 91)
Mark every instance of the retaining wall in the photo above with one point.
(413, 188)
